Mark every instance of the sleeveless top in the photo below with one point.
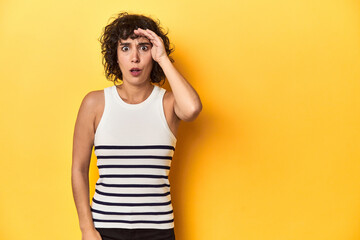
(134, 147)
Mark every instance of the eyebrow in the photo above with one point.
(142, 43)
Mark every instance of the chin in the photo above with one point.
(137, 81)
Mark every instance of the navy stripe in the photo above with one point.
(133, 166)
(132, 176)
(130, 213)
(133, 195)
(132, 204)
(133, 156)
(135, 147)
(124, 221)
(134, 185)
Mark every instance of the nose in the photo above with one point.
(135, 56)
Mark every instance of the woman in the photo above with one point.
(133, 127)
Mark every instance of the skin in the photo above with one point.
(135, 53)
(182, 103)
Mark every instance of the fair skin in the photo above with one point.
(183, 103)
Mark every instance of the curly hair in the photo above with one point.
(122, 27)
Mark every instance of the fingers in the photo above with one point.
(149, 34)
(145, 33)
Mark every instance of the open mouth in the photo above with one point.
(135, 71)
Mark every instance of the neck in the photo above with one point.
(134, 94)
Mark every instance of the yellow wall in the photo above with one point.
(274, 154)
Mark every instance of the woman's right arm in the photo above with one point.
(83, 140)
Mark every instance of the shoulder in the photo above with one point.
(168, 95)
(93, 97)
(169, 100)
(93, 101)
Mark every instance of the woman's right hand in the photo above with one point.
(91, 234)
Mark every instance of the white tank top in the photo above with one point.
(134, 147)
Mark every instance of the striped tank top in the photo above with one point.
(134, 147)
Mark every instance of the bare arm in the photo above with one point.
(187, 104)
(82, 147)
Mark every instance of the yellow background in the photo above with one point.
(273, 155)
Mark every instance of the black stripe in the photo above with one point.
(131, 213)
(100, 220)
(132, 176)
(133, 156)
(133, 195)
(135, 147)
(134, 185)
(132, 204)
(133, 166)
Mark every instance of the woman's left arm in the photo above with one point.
(187, 104)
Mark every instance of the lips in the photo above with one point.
(135, 71)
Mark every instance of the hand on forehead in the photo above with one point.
(145, 32)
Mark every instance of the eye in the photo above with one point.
(145, 48)
(124, 48)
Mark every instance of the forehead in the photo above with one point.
(140, 39)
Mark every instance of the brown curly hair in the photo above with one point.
(122, 27)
